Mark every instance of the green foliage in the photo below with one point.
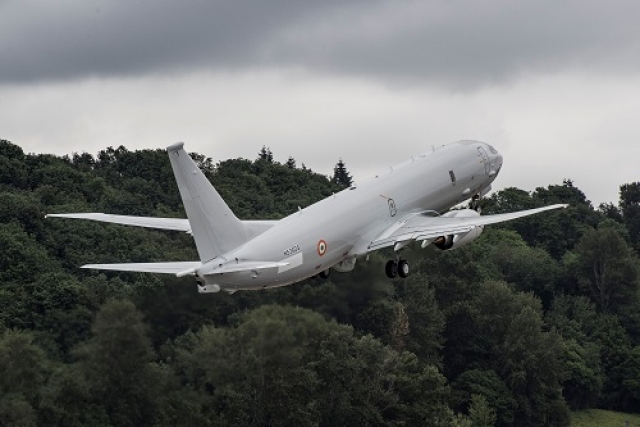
(576, 320)
(602, 418)
(630, 210)
(609, 277)
(514, 362)
(341, 177)
(480, 413)
(23, 370)
(295, 368)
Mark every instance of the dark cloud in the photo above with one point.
(459, 43)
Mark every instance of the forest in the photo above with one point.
(536, 318)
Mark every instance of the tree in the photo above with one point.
(507, 335)
(340, 175)
(117, 362)
(485, 383)
(291, 163)
(630, 371)
(289, 366)
(480, 413)
(23, 370)
(22, 258)
(630, 208)
(607, 270)
(528, 269)
(265, 154)
(557, 231)
(576, 320)
(425, 320)
(13, 171)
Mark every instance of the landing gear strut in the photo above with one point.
(475, 203)
(394, 269)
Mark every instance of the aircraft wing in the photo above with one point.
(177, 224)
(419, 227)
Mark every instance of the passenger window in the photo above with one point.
(453, 177)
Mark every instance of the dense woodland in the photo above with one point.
(536, 318)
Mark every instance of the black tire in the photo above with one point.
(325, 274)
(403, 269)
(391, 269)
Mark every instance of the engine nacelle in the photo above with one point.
(205, 288)
(455, 241)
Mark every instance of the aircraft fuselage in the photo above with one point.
(336, 230)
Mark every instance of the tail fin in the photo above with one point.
(215, 228)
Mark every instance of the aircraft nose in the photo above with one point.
(495, 159)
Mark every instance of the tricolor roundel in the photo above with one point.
(322, 247)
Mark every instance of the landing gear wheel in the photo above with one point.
(403, 269)
(325, 274)
(391, 269)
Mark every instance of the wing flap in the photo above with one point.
(420, 227)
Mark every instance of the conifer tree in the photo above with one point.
(340, 175)
(265, 154)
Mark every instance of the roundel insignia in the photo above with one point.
(322, 247)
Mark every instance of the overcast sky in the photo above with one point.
(553, 85)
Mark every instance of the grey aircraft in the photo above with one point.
(409, 203)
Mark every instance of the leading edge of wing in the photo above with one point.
(176, 224)
(417, 227)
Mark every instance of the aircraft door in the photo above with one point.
(485, 160)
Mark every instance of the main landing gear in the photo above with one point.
(475, 203)
(394, 269)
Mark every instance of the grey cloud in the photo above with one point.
(459, 43)
(75, 39)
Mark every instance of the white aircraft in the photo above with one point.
(390, 210)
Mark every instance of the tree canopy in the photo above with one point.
(537, 317)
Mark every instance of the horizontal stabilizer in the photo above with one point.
(177, 224)
(253, 227)
(149, 267)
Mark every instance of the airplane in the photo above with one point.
(409, 203)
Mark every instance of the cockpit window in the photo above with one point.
(493, 150)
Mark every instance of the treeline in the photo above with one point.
(536, 318)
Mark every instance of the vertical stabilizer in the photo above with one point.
(215, 228)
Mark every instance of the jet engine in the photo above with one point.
(204, 287)
(455, 241)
